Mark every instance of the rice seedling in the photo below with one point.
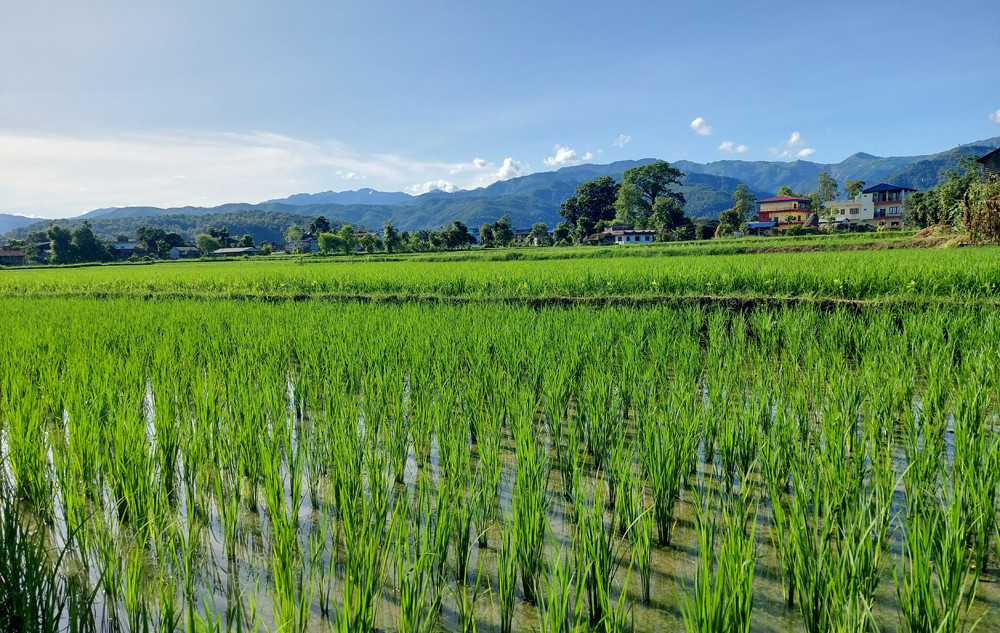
(507, 562)
(419, 594)
(598, 557)
(662, 461)
(561, 604)
(722, 596)
(530, 499)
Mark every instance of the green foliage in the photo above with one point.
(982, 210)
(539, 235)
(641, 187)
(853, 188)
(207, 243)
(943, 203)
(744, 203)
(319, 225)
(390, 237)
(594, 199)
(78, 246)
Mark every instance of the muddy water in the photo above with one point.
(223, 582)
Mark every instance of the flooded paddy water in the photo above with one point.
(328, 467)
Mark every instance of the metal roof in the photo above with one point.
(761, 225)
(884, 187)
(784, 199)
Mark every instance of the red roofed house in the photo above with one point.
(785, 210)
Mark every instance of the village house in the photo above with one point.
(622, 235)
(762, 229)
(184, 252)
(11, 258)
(521, 235)
(874, 206)
(237, 251)
(783, 211)
(122, 246)
(990, 164)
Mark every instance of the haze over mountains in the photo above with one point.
(527, 199)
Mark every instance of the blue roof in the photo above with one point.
(761, 225)
(884, 187)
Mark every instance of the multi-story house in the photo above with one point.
(784, 211)
(874, 206)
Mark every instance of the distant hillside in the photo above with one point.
(800, 175)
(361, 196)
(10, 222)
(528, 199)
(262, 225)
(537, 197)
(924, 174)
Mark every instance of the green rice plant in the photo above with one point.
(640, 535)
(421, 424)
(419, 594)
(601, 413)
(27, 445)
(465, 601)
(138, 615)
(440, 531)
(936, 578)
(598, 556)
(462, 522)
(365, 564)
(482, 505)
(560, 605)
(507, 562)
(661, 455)
(530, 500)
(33, 596)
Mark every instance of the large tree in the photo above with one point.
(390, 236)
(667, 216)
(594, 199)
(457, 235)
(503, 232)
(319, 225)
(207, 243)
(826, 190)
(539, 235)
(61, 240)
(744, 203)
(853, 188)
(347, 239)
(642, 186)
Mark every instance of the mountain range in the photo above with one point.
(529, 199)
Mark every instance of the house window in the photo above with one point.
(893, 210)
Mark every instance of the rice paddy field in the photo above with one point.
(185, 450)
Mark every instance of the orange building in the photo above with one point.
(785, 210)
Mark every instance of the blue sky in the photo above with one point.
(114, 103)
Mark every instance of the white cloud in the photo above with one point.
(794, 146)
(433, 185)
(732, 148)
(61, 176)
(511, 169)
(566, 156)
(995, 116)
(700, 126)
(622, 140)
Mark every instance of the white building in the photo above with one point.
(632, 236)
(874, 206)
